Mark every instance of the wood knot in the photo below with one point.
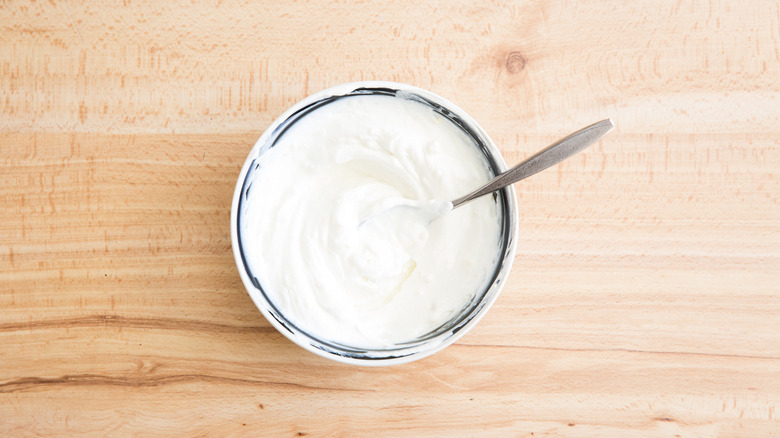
(515, 62)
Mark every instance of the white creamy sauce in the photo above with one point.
(321, 235)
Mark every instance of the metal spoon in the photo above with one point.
(549, 156)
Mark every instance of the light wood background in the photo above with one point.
(645, 297)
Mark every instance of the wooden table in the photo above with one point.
(645, 297)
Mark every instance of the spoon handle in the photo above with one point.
(549, 156)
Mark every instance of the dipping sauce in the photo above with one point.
(328, 249)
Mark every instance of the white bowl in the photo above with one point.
(450, 331)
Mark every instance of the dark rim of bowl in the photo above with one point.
(463, 317)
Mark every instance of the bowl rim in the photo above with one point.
(451, 330)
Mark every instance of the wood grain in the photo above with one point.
(645, 298)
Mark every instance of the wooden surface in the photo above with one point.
(645, 297)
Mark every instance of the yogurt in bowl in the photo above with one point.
(329, 261)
